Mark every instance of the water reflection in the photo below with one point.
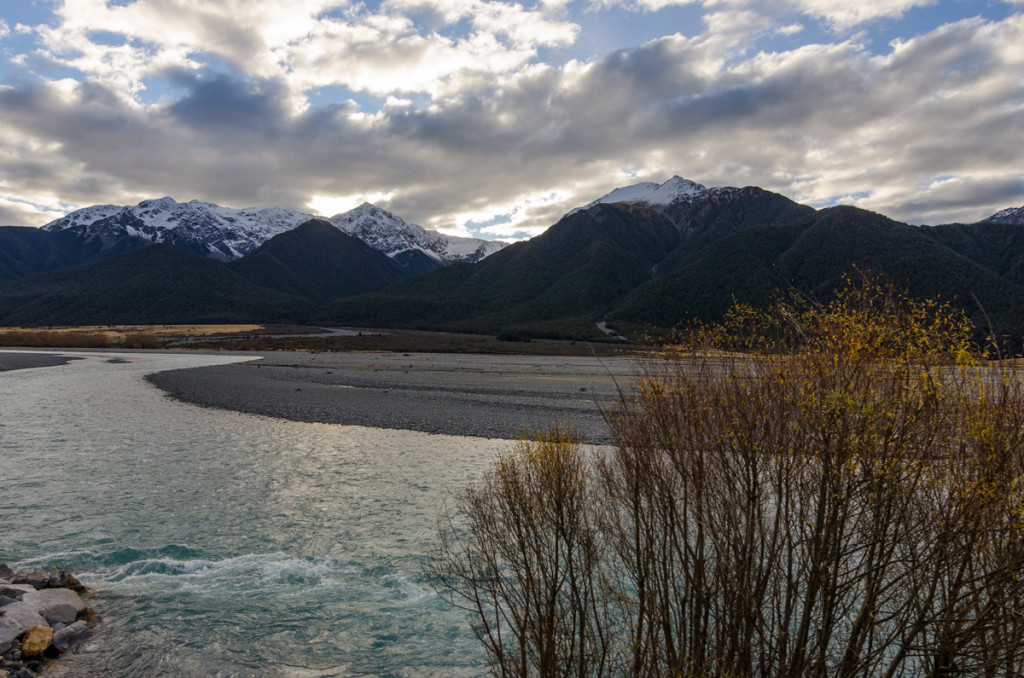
(230, 543)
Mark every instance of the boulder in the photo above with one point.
(25, 616)
(36, 640)
(15, 591)
(37, 579)
(74, 584)
(6, 572)
(61, 603)
(69, 636)
(9, 632)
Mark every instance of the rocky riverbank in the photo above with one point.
(42, 615)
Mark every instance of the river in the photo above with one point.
(229, 544)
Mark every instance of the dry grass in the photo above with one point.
(114, 336)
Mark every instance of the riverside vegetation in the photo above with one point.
(844, 499)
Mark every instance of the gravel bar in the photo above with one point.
(490, 396)
(19, 360)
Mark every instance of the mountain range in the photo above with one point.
(643, 256)
(227, 234)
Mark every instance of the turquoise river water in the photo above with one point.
(224, 544)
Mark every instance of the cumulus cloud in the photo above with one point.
(474, 132)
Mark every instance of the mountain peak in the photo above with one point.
(1011, 215)
(676, 189)
(393, 235)
(164, 203)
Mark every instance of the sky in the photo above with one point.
(493, 119)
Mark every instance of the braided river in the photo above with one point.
(227, 544)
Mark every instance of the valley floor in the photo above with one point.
(492, 396)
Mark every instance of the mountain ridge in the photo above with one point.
(646, 256)
(228, 234)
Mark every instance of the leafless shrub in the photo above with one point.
(523, 557)
(845, 499)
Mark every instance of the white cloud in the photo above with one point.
(301, 43)
(34, 210)
(843, 15)
(503, 143)
(515, 216)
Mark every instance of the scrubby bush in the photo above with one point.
(844, 498)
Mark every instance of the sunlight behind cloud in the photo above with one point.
(510, 220)
(330, 206)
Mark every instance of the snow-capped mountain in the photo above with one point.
(217, 232)
(1011, 215)
(675, 190)
(225, 234)
(392, 235)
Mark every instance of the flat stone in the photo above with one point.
(62, 603)
(36, 640)
(69, 636)
(25, 616)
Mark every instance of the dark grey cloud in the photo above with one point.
(217, 101)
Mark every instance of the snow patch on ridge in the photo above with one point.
(672, 191)
(393, 235)
(1011, 215)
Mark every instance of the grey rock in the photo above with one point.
(37, 579)
(6, 572)
(62, 603)
(5, 601)
(23, 672)
(15, 591)
(69, 636)
(24, 615)
(9, 632)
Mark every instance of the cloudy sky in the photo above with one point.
(495, 118)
